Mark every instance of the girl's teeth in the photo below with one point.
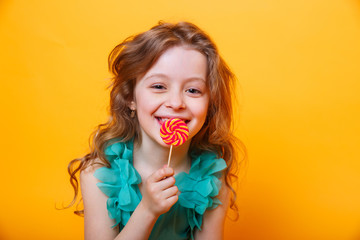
(162, 120)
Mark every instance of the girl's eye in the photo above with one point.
(158, 87)
(193, 91)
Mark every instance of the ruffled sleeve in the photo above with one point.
(119, 182)
(200, 187)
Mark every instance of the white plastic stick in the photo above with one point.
(170, 155)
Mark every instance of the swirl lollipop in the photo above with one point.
(174, 132)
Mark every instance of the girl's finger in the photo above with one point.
(164, 183)
(172, 200)
(161, 174)
(170, 192)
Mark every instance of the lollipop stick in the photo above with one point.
(170, 155)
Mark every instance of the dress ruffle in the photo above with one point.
(119, 182)
(198, 188)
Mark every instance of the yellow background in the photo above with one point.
(298, 63)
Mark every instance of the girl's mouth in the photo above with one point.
(162, 120)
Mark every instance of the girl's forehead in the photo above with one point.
(180, 61)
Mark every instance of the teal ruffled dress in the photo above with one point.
(198, 191)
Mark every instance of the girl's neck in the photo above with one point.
(150, 155)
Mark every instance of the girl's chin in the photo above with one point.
(161, 143)
(164, 145)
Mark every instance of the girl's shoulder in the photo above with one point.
(118, 154)
(87, 174)
(92, 167)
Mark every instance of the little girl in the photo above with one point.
(169, 71)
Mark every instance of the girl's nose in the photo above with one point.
(175, 101)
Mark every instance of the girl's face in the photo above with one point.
(175, 86)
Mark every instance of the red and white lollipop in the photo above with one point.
(174, 132)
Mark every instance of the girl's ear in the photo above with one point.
(132, 106)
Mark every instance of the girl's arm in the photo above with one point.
(213, 220)
(97, 223)
(158, 197)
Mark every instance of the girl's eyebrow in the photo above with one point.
(161, 75)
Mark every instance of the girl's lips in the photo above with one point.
(161, 120)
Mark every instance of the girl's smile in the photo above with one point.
(161, 120)
(175, 86)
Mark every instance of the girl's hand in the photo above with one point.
(160, 193)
